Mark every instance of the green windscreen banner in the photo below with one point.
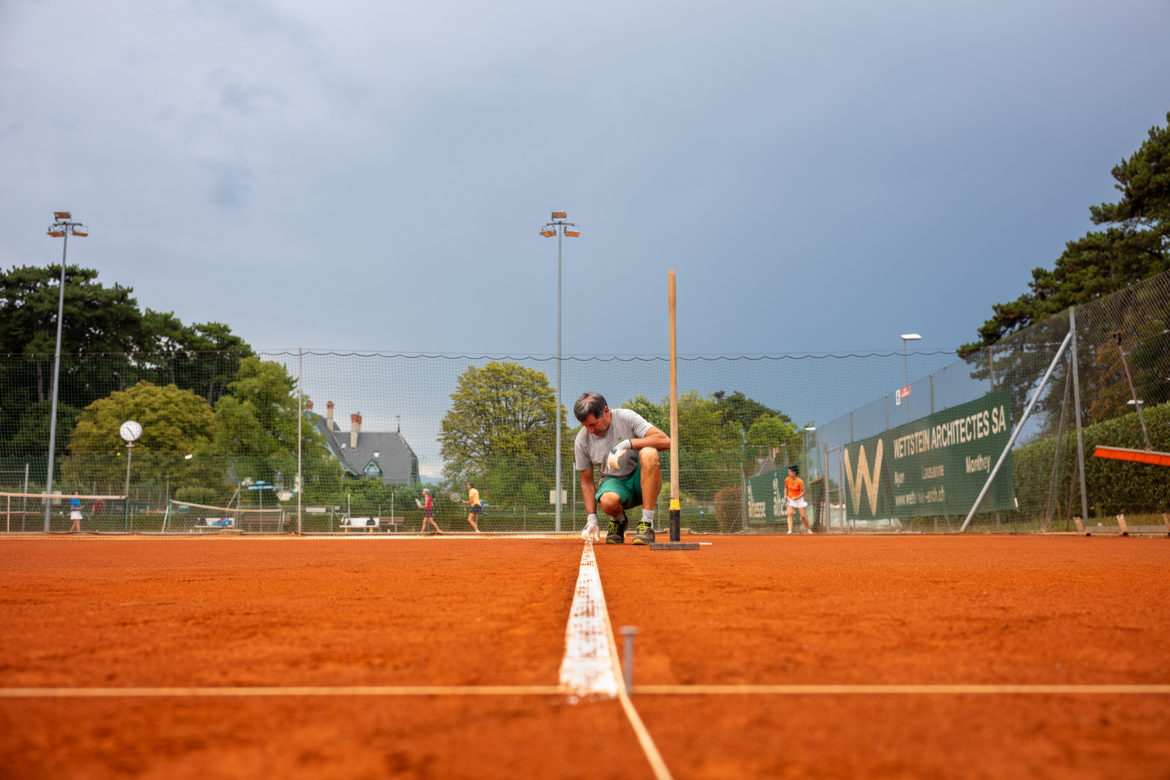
(933, 466)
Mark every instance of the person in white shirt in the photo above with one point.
(624, 447)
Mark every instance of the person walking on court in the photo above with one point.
(624, 447)
(794, 493)
(427, 505)
(75, 513)
(476, 507)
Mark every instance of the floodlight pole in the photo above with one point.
(906, 366)
(558, 227)
(61, 228)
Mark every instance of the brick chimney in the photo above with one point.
(329, 415)
(355, 427)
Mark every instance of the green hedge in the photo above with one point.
(1113, 486)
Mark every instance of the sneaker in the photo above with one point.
(617, 530)
(645, 533)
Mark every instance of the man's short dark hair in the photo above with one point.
(590, 403)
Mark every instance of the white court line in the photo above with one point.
(284, 691)
(993, 689)
(591, 666)
(557, 690)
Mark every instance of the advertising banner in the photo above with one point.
(933, 466)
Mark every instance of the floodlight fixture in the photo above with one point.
(910, 337)
(559, 215)
(62, 215)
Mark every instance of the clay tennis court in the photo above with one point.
(803, 656)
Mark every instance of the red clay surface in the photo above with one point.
(127, 613)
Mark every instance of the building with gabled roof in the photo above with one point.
(385, 457)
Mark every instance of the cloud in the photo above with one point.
(242, 97)
(230, 183)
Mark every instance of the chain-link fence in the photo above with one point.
(1108, 385)
(331, 442)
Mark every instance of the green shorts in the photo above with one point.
(629, 489)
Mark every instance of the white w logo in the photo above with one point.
(866, 479)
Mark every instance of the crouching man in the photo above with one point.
(624, 448)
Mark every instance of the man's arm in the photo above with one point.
(653, 438)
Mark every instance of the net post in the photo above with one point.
(675, 514)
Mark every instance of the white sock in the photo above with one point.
(648, 516)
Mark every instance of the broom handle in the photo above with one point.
(672, 306)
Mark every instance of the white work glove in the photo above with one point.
(611, 461)
(591, 532)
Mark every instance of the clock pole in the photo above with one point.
(129, 454)
(130, 431)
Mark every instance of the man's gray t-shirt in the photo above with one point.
(590, 450)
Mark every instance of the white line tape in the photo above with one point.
(587, 668)
(591, 666)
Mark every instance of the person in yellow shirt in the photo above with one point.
(794, 493)
(475, 504)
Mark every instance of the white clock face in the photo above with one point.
(130, 431)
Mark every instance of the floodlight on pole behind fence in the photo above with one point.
(63, 225)
(558, 227)
(906, 365)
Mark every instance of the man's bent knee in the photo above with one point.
(610, 503)
(648, 458)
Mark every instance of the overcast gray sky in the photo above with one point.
(822, 175)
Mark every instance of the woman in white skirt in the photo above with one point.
(75, 514)
(794, 492)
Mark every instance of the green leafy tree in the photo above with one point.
(657, 415)
(770, 432)
(204, 357)
(256, 426)
(744, 410)
(97, 321)
(175, 423)
(107, 345)
(710, 446)
(500, 428)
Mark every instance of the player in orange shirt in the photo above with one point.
(794, 493)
